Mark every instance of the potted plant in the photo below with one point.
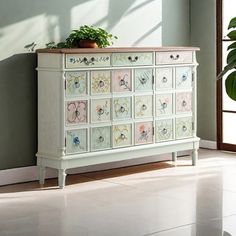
(230, 82)
(86, 36)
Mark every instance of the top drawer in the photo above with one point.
(176, 57)
(132, 59)
(87, 60)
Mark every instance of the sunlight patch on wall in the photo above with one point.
(36, 30)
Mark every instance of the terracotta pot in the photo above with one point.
(87, 43)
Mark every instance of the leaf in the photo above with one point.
(230, 85)
(231, 56)
(226, 69)
(232, 35)
(231, 46)
(232, 23)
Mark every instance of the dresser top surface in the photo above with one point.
(116, 49)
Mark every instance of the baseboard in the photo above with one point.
(208, 144)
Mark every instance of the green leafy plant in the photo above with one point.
(230, 82)
(100, 36)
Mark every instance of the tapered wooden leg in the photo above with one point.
(194, 157)
(174, 156)
(61, 178)
(42, 173)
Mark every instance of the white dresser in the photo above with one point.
(103, 105)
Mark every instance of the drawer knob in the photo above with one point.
(77, 84)
(144, 107)
(101, 83)
(122, 137)
(164, 79)
(122, 109)
(76, 141)
(143, 80)
(101, 139)
(184, 103)
(122, 82)
(164, 105)
(77, 113)
(184, 77)
(174, 57)
(184, 128)
(164, 131)
(88, 62)
(133, 59)
(100, 111)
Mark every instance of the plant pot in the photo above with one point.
(87, 43)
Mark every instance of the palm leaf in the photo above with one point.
(230, 85)
(232, 23)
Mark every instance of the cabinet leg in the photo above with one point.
(194, 157)
(42, 173)
(61, 178)
(174, 156)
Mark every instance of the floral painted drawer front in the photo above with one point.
(76, 83)
(100, 110)
(121, 80)
(87, 60)
(76, 112)
(76, 141)
(183, 102)
(132, 59)
(143, 133)
(183, 77)
(164, 130)
(164, 78)
(183, 127)
(122, 135)
(164, 104)
(122, 108)
(100, 138)
(143, 79)
(100, 82)
(143, 106)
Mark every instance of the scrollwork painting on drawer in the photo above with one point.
(183, 77)
(76, 83)
(122, 108)
(76, 141)
(143, 106)
(122, 135)
(100, 82)
(100, 110)
(164, 130)
(184, 127)
(100, 138)
(143, 133)
(183, 102)
(174, 57)
(87, 60)
(143, 79)
(121, 80)
(76, 112)
(164, 104)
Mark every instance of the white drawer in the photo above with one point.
(122, 108)
(100, 138)
(122, 135)
(184, 127)
(164, 104)
(132, 59)
(143, 106)
(143, 132)
(100, 82)
(176, 57)
(183, 102)
(183, 77)
(164, 130)
(87, 60)
(164, 78)
(100, 110)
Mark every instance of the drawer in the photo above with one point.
(122, 108)
(183, 102)
(184, 127)
(132, 59)
(76, 83)
(183, 77)
(100, 82)
(143, 79)
(76, 141)
(122, 135)
(143, 133)
(176, 57)
(164, 78)
(121, 81)
(100, 110)
(164, 130)
(87, 60)
(143, 106)
(100, 138)
(164, 104)
(76, 112)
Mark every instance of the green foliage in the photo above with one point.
(230, 82)
(99, 35)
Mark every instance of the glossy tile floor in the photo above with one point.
(156, 199)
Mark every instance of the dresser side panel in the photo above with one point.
(50, 60)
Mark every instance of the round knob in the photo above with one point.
(77, 113)
(136, 58)
(143, 80)
(77, 84)
(129, 58)
(92, 59)
(164, 79)
(184, 77)
(100, 111)
(76, 141)
(184, 103)
(101, 83)
(164, 131)
(184, 128)
(164, 105)
(144, 107)
(122, 109)
(122, 136)
(85, 59)
(101, 139)
(122, 82)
